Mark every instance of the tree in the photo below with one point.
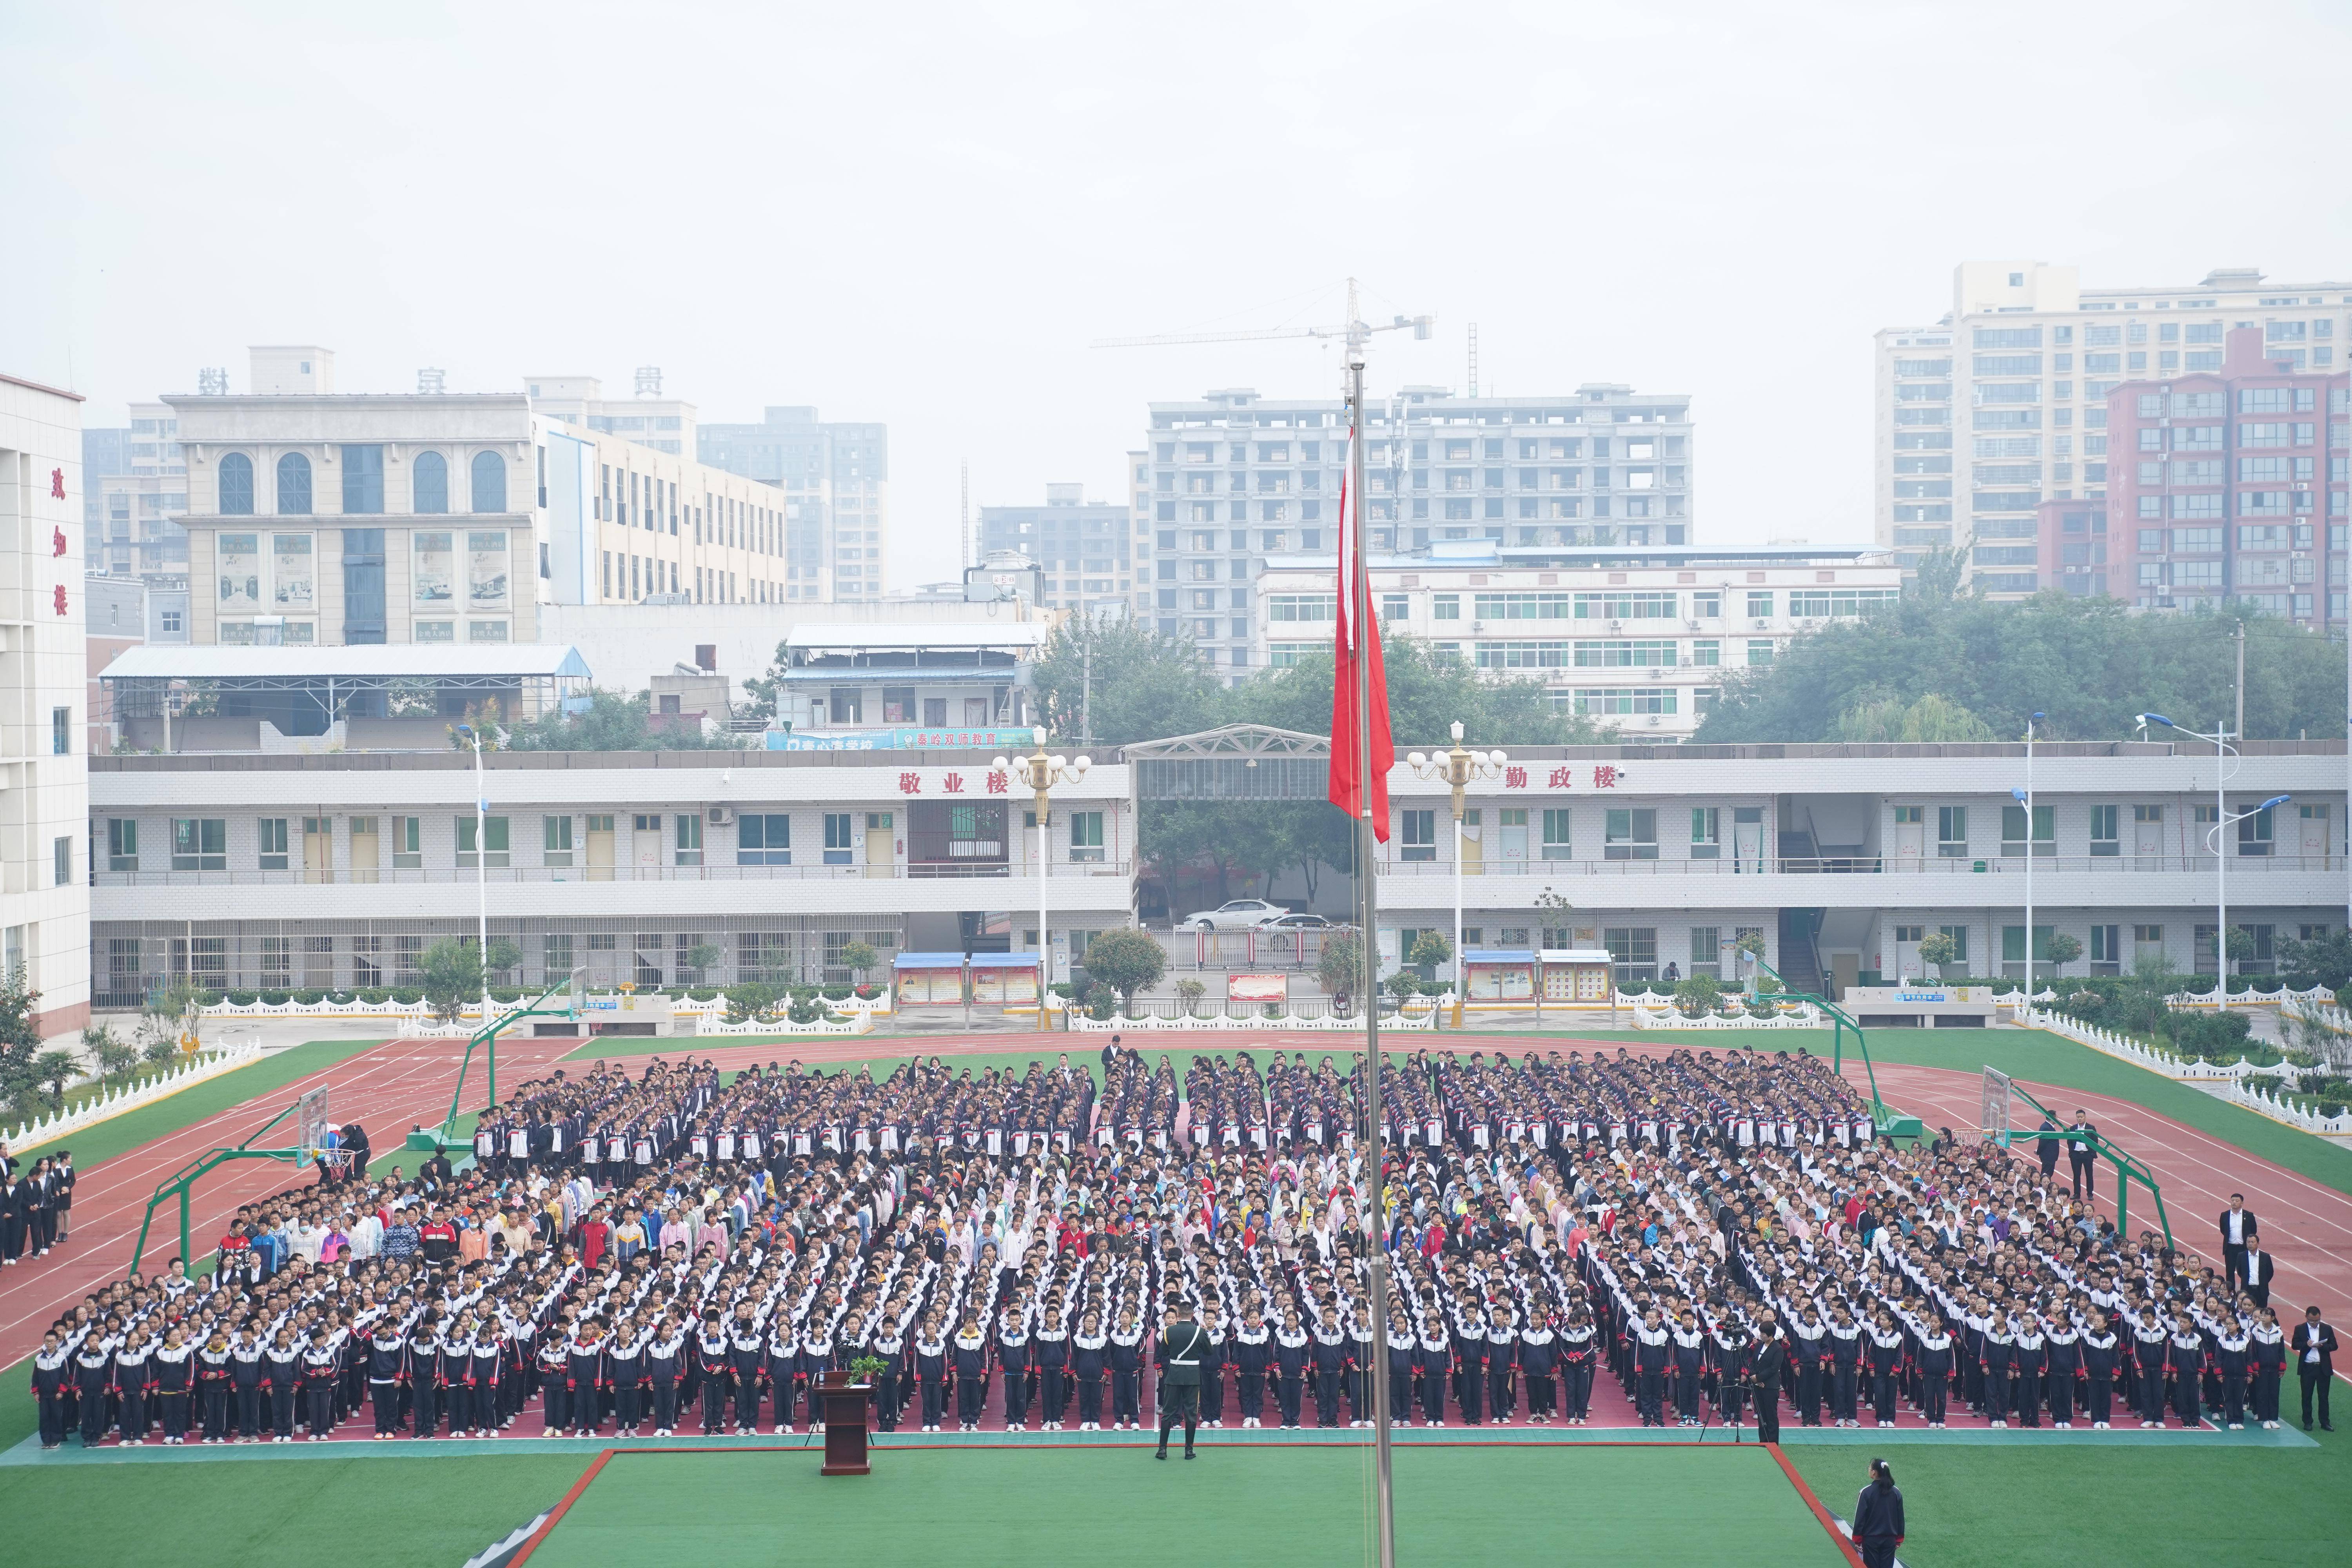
(2089, 664)
(2060, 950)
(1144, 686)
(452, 970)
(615, 722)
(2327, 957)
(1429, 690)
(110, 1051)
(1190, 991)
(54, 1069)
(1340, 968)
(749, 999)
(1429, 949)
(1937, 950)
(1931, 717)
(1127, 960)
(1698, 995)
(857, 957)
(20, 1041)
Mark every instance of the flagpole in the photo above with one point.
(1357, 591)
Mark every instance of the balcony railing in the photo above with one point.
(507, 875)
(1891, 865)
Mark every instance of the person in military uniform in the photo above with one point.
(1183, 1345)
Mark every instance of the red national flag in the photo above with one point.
(1359, 637)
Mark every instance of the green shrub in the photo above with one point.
(208, 998)
(310, 998)
(273, 998)
(373, 996)
(506, 993)
(835, 991)
(239, 999)
(408, 996)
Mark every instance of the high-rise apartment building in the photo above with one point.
(836, 482)
(1084, 550)
(135, 490)
(2002, 406)
(1237, 479)
(2232, 483)
(44, 694)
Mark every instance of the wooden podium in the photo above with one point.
(846, 1404)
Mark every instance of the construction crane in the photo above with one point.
(1355, 331)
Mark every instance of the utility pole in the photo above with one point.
(1086, 682)
(1474, 359)
(2240, 725)
(963, 519)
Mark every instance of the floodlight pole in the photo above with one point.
(482, 892)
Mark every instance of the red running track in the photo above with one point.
(385, 1088)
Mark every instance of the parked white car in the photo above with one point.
(1233, 914)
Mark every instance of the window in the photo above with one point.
(294, 485)
(1301, 606)
(494, 831)
(1706, 950)
(60, 862)
(555, 956)
(2105, 839)
(60, 732)
(555, 833)
(270, 839)
(1556, 844)
(1634, 949)
(1910, 934)
(1630, 833)
(1706, 835)
(123, 843)
(763, 839)
(1760, 651)
(1959, 935)
(363, 481)
(1952, 832)
(647, 951)
(489, 482)
(2254, 834)
(199, 843)
(1446, 606)
(2106, 949)
(408, 843)
(688, 838)
(236, 485)
(2012, 830)
(1518, 606)
(1086, 835)
(1760, 602)
(429, 485)
(1420, 835)
(838, 839)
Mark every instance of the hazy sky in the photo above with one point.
(922, 214)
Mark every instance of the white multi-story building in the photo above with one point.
(318, 518)
(319, 872)
(1845, 858)
(44, 742)
(1237, 479)
(286, 872)
(135, 491)
(1087, 551)
(2002, 405)
(1640, 639)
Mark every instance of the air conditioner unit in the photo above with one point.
(1477, 626)
(1654, 673)
(1652, 720)
(1763, 625)
(1691, 624)
(1616, 626)
(721, 815)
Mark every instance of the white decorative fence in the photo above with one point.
(2230, 1078)
(1659, 1013)
(114, 1102)
(860, 1024)
(1423, 1016)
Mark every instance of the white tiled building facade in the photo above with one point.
(1640, 640)
(44, 694)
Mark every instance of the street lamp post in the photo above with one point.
(2223, 751)
(482, 875)
(1040, 772)
(2025, 798)
(1457, 768)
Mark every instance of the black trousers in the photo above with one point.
(1767, 1415)
(665, 1403)
(2320, 1381)
(2086, 1177)
(1180, 1405)
(1252, 1394)
(1577, 1375)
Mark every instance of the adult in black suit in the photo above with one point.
(2083, 1154)
(2045, 1148)
(2258, 1268)
(2237, 1224)
(1765, 1372)
(2314, 1347)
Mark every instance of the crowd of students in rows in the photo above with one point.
(673, 1250)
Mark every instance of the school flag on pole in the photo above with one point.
(1358, 639)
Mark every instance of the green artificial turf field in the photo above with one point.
(94, 1145)
(1281, 1507)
